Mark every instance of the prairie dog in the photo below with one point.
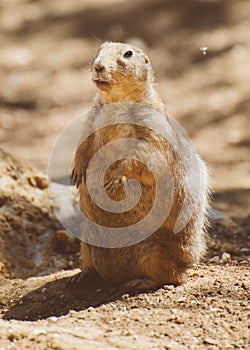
(122, 73)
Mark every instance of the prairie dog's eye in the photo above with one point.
(128, 54)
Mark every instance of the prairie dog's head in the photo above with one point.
(118, 65)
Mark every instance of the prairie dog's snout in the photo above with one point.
(98, 66)
(101, 71)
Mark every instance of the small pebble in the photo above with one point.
(209, 340)
(181, 299)
(215, 259)
(124, 296)
(244, 249)
(225, 257)
(39, 331)
(53, 319)
(168, 287)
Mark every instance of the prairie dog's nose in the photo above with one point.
(98, 66)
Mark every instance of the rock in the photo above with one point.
(62, 201)
(38, 180)
(222, 222)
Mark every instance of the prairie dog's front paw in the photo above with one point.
(114, 182)
(76, 176)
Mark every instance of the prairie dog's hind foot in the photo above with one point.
(140, 284)
(84, 277)
(145, 284)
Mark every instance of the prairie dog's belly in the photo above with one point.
(116, 265)
(148, 257)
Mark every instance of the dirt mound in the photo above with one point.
(29, 233)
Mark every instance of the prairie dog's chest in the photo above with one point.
(112, 122)
(111, 134)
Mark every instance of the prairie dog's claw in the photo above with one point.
(76, 178)
(85, 277)
(113, 182)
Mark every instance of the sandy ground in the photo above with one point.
(46, 50)
(210, 311)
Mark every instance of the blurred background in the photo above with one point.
(46, 49)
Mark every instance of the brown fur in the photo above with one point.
(163, 257)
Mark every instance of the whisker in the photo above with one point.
(122, 39)
(96, 38)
